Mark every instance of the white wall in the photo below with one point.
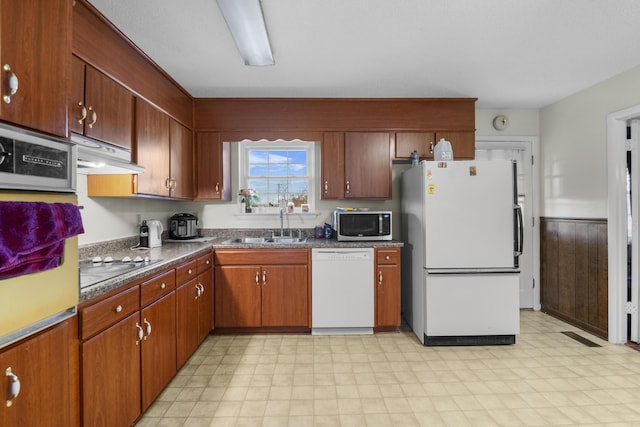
(573, 146)
(113, 218)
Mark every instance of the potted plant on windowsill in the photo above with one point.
(248, 196)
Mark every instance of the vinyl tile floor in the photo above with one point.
(546, 379)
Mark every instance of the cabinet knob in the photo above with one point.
(118, 309)
(163, 285)
(11, 86)
(208, 262)
(13, 386)
(189, 271)
(94, 117)
(387, 257)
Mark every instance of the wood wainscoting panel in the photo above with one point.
(573, 272)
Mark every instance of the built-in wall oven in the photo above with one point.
(39, 223)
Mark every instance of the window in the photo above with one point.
(278, 171)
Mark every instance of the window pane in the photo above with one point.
(278, 172)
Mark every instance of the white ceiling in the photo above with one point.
(506, 53)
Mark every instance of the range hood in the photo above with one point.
(99, 158)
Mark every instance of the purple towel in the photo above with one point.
(32, 235)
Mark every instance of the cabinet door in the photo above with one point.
(387, 294)
(205, 304)
(181, 156)
(237, 296)
(35, 39)
(109, 109)
(47, 368)
(332, 164)
(187, 320)
(213, 167)
(158, 347)
(285, 295)
(463, 144)
(111, 375)
(152, 148)
(407, 142)
(77, 108)
(367, 165)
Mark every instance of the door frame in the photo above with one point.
(532, 142)
(617, 222)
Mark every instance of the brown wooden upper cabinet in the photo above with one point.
(165, 149)
(213, 167)
(356, 165)
(35, 46)
(99, 107)
(462, 144)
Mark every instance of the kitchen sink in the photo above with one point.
(264, 240)
(286, 239)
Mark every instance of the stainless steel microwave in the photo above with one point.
(362, 226)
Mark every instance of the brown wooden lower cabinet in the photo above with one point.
(262, 288)
(387, 289)
(194, 305)
(128, 364)
(47, 367)
(573, 272)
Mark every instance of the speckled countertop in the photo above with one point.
(173, 253)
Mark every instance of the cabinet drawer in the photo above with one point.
(157, 286)
(186, 271)
(204, 262)
(261, 256)
(105, 313)
(388, 256)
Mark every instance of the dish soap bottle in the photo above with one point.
(414, 158)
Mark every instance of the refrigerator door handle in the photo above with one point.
(520, 225)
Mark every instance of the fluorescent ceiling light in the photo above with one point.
(246, 23)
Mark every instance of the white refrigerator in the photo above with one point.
(462, 233)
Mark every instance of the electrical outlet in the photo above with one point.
(138, 219)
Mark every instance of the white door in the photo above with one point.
(522, 153)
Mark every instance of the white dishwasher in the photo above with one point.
(342, 291)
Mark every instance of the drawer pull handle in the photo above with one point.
(83, 112)
(431, 147)
(217, 188)
(163, 285)
(13, 386)
(257, 278)
(148, 324)
(264, 277)
(348, 187)
(380, 278)
(94, 117)
(326, 186)
(11, 86)
(118, 309)
(140, 333)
